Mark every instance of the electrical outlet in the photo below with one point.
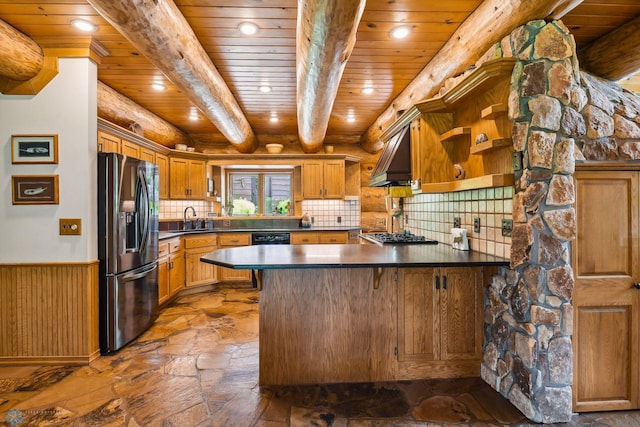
(406, 219)
(457, 222)
(339, 219)
(476, 225)
(70, 226)
(507, 227)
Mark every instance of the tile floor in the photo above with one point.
(198, 366)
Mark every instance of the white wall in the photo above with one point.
(67, 106)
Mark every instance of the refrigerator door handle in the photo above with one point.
(135, 276)
(144, 210)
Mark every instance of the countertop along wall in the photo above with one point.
(67, 106)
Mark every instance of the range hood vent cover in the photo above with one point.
(394, 164)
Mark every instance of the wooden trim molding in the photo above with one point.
(49, 313)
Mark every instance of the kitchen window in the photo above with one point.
(258, 192)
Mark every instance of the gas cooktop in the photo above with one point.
(398, 238)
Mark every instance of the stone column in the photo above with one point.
(528, 313)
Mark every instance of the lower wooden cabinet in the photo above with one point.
(440, 314)
(230, 240)
(319, 237)
(171, 270)
(197, 272)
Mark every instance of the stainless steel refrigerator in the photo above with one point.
(127, 248)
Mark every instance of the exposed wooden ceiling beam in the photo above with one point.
(161, 33)
(21, 58)
(488, 24)
(326, 34)
(616, 55)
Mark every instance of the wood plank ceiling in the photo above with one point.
(269, 57)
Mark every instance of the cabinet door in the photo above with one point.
(147, 155)
(163, 280)
(108, 143)
(130, 149)
(197, 272)
(333, 179)
(337, 237)
(312, 180)
(197, 179)
(178, 175)
(163, 175)
(306, 238)
(462, 320)
(176, 273)
(418, 319)
(606, 266)
(230, 240)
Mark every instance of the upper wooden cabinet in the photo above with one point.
(130, 149)
(108, 143)
(147, 155)
(163, 175)
(323, 179)
(187, 178)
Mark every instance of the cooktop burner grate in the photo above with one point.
(400, 238)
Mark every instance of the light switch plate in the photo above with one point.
(70, 226)
(457, 222)
(476, 225)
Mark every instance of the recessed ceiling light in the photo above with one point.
(83, 25)
(265, 88)
(248, 28)
(158, 86)
(274, 117)
(368, 90)
(351, 118)
(400, 32)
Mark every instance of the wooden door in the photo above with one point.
(418, 315)
(130, 149)
(163, 175)
(312, 180)
(462, 319)
(147, 155)
(605, 265)
(197, 179)
(176, 273)
(333, 179)
(178, 173)
(108, 143)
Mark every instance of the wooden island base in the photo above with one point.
(329, 325)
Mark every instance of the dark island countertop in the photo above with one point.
(348, 256)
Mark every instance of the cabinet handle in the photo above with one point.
(444, 282)
(437, 282)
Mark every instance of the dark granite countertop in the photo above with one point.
(167, 234)
(348, 256)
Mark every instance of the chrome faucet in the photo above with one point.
(185, 215)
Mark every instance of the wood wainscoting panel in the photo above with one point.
(49, 313)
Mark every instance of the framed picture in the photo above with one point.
(34, 149)
(34, 189)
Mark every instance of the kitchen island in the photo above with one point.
(358, 313)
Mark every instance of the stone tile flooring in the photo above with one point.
(198, 366)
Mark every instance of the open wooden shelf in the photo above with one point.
(486, 181)
(490, 145)
(493, 111)
(455, 133)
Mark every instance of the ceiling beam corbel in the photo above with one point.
(490, 22)
(616, 55)
(325, 36)
(161, 33)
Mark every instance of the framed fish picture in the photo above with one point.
(40, 149)
(34, 189)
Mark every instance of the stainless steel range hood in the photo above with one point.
(394, 164)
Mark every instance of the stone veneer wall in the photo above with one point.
(528, 312)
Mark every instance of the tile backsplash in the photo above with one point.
(174, 209)
(431, 215)
(325, 213)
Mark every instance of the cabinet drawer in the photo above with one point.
(338, 237)
(235, 239)
(175, 245)
(163, 249)
(200, 241)
(304, 238)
